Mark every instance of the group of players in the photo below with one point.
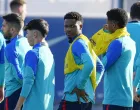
(27, 66)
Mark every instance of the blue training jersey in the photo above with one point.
(14, 59)
(118, 79)
(81, 78)
(38, 79)
(2, 67)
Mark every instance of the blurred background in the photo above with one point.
(94, 13)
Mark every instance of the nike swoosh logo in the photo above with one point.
(56, 40)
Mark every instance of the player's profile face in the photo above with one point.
(6, 30)
(111, 26)
(71, 27)
(30, 37)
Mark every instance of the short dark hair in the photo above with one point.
(38, 24)
(15, 20)
(119, 16)
(16, 3)
(74, 15)
(135, 10)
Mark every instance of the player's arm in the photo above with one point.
(2, 63)
(80, 50)
(99, 70)
(29, 74)
(2, 68)
(136, 82)
(113, 53)
(17, 72)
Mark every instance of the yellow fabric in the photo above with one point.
(102, 39)
(71, 66)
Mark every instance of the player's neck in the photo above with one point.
(40, 40)
(14, 35)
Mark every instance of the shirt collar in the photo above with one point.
(134, 21)
(14, 38)
(72, 39)
(39, 44)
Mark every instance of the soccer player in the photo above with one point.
(80, 67)
(133, 28)
(118, 62)
(14, 58)
(2, 69)
(38, 75)
(19, 7)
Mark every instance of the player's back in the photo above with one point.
(133, 28)
(41, 96)
(118, 81)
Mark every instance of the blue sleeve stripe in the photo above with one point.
(2, 54)
(113, 53)
(99, 66)
(31, 60)
(79, 47)
(12, 57)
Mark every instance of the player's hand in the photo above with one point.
(17, 108)
(105, 27)
(80, 94)
(135, 95)
(136, 98)
(1, 94)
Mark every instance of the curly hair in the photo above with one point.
(38, 24)
(119, 16)
(135, 10)
(74, 15)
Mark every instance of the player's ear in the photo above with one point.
(81, 26)
(35, 34)
(113, 25)
(12, 30)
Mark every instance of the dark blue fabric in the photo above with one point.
(115, 107)
(2, 54)
(2, 105)
(12, 100)
(113, 53)
(136, 105)
(74, 106)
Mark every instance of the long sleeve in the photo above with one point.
(16, 66)
(2, 65)
(99, 70)
(113, 53)
(29, 74)
(136, 82)
(80, 50)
